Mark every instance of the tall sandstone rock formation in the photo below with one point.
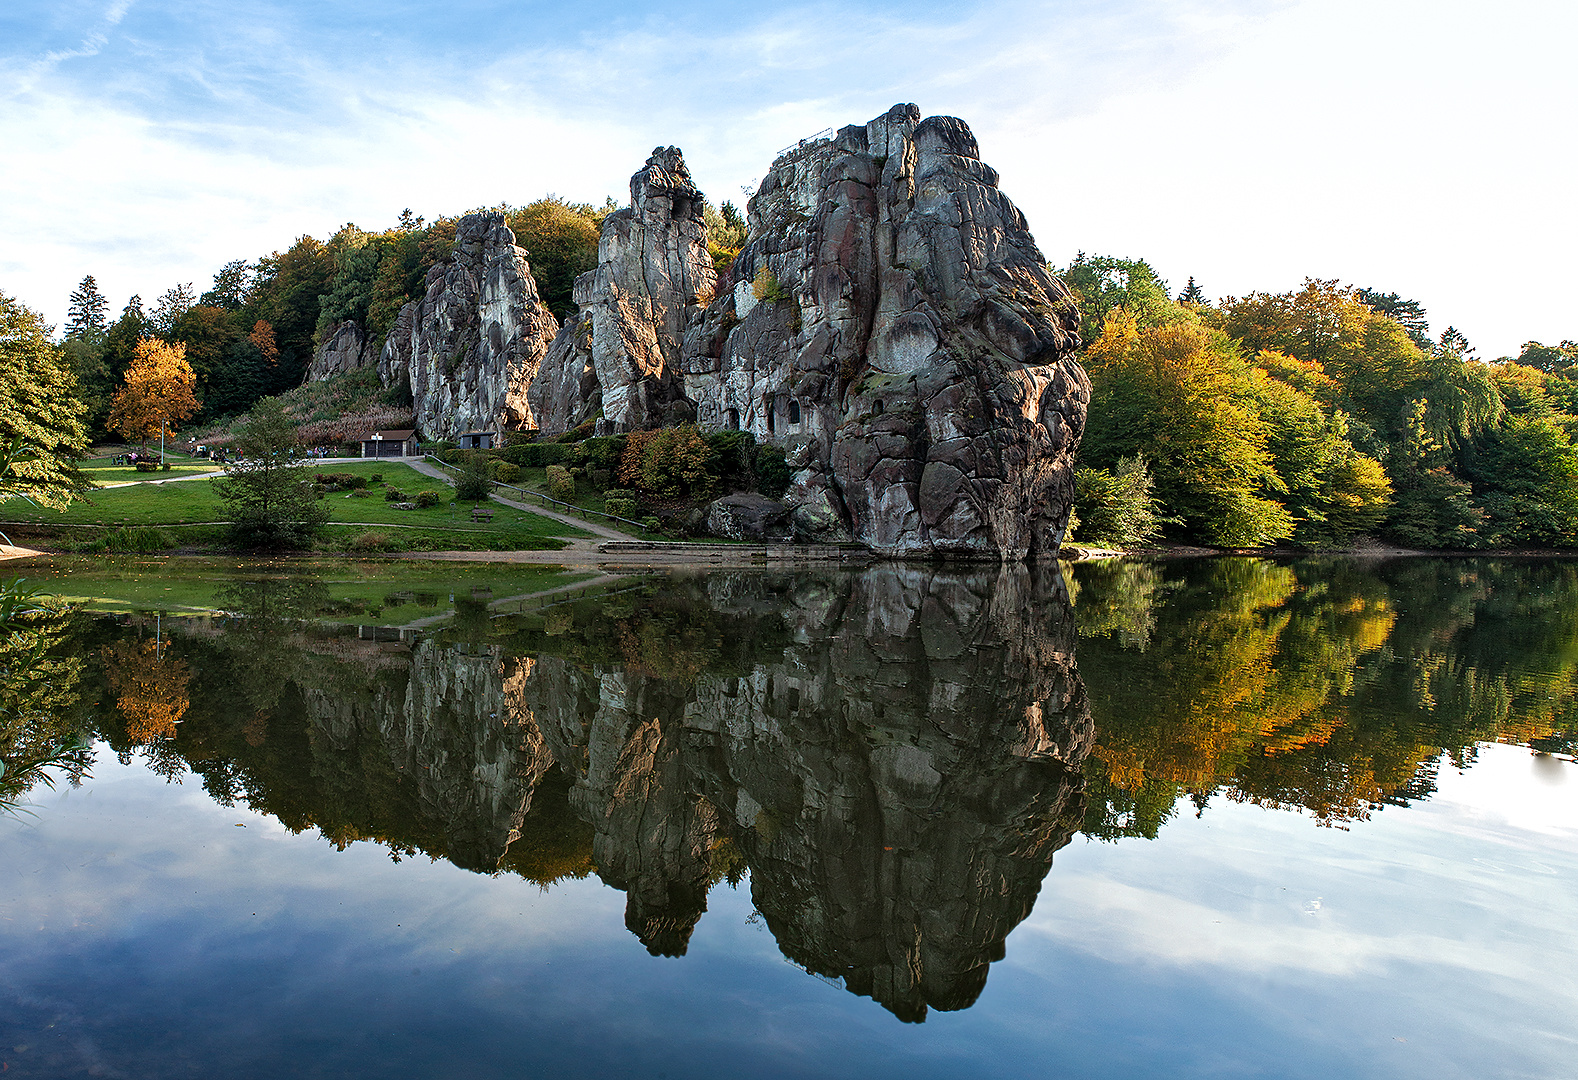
(470, 348)
(889, 322)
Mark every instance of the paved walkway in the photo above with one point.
(553, 515)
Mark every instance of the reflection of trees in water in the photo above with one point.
(41, 732)
(1325, 685)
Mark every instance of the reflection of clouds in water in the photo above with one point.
(1495, 794)
(140, 851)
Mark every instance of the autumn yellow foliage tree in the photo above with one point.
(158, 391)
(151, 689)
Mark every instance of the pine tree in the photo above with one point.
(1192, 293)
(87, 317)
(270, 501)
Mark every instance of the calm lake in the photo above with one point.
(1204, 818)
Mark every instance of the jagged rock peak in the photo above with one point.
(472, 345)
(653, 277)
(911, 351)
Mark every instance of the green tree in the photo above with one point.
(1192, 293)
(1116, 506)
(86, 318)
(1103, 284)
(42, 434)
(231, 286)
(1179, 395)
(270, 502)
(1549, 358)
(1409, 314)
(560, 239)
(1525, 477)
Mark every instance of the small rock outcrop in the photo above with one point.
(471, 347)
(344, 350)
(747, 516)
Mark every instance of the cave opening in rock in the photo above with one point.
(734, 419)
(767, 405)
(794, 412)
(876, 408)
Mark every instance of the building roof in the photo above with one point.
(399, 435)
(463, 434)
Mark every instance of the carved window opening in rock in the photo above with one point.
(794, 412)
(876, 407)
(794, 699)
(768, 406)
(734, 420)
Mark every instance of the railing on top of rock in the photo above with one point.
(810, 140)
(544, 500)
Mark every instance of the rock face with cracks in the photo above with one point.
(893, 325)
(471, 347)
(344, 350)
(889, 322)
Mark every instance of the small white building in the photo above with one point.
(387, 444)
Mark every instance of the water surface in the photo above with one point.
(1217, 818)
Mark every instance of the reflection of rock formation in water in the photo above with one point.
(897, 783)
(469, 767)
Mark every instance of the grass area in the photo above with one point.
(103, 470)
(383, 592)
(174, 508)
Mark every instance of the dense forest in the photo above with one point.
(1314, 417)
(1310, 417)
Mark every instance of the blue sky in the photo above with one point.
(1422, 146)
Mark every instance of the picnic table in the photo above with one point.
(482, 513)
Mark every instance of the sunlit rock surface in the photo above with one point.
(470, 348)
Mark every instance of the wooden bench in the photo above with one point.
(482, 513)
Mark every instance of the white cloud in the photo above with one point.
(1407, 145)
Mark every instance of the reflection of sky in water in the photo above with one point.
(1432, 941)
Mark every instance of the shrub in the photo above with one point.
(561, 485)
(1116, 507)
(772, 472)
(603, 451)
(767, 288)
(165, 467)
(147, 466)
(426, 499)
(340, 481)
(625, 508)
(372, 540)
(650, 524)
(506, 472)
(473, 486)
(376, 478)
(736, 454)
(393, 494)
(668, 463)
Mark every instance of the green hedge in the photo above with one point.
(541, 455)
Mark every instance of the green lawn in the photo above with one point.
(102, 470)
(387, 592)
(352, 515)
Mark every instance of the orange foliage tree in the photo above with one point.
(157, 393)
(150, 688)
